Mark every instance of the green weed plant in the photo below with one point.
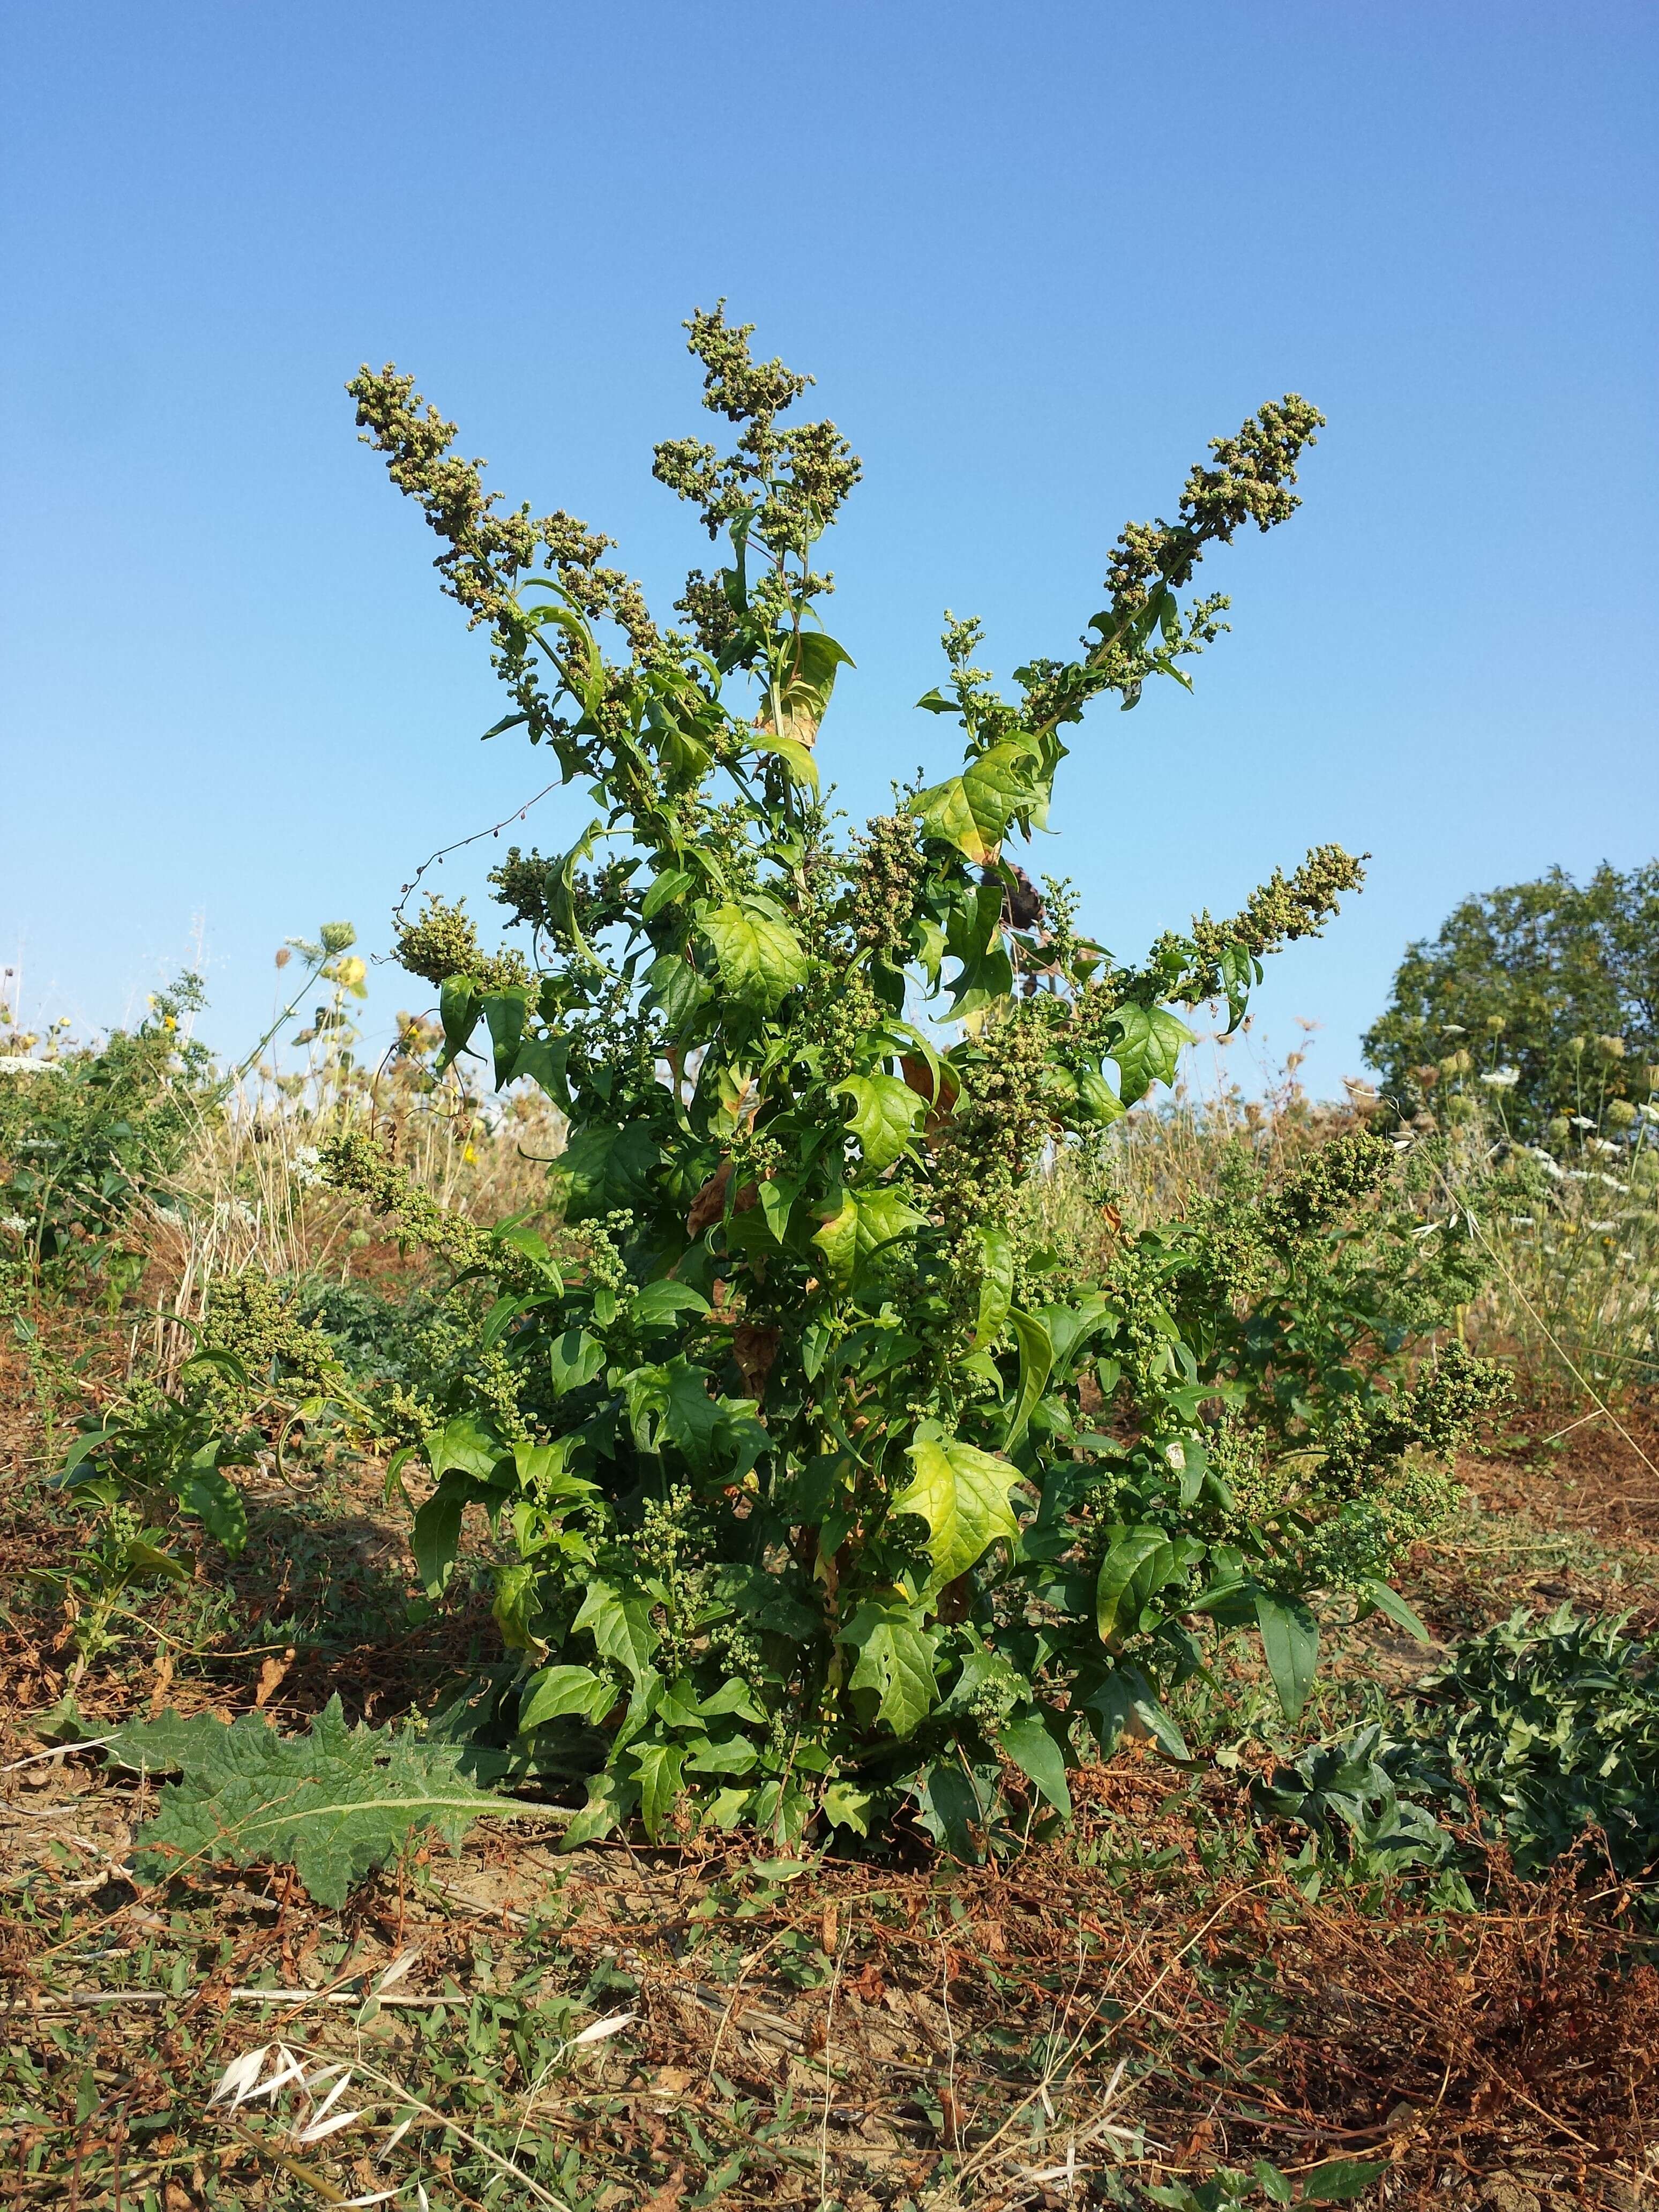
(830, 1492)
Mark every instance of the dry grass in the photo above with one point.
(248, 1194)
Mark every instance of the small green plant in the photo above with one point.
(1338, 2181)
(1543, 1734)
(1347, 1795)
(334, 1803)
(162, 1455)
(1553, 1725)
(85, 1133)
(829, 1489)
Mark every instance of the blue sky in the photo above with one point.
(1036, 256)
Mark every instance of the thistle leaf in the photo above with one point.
(333, 1804)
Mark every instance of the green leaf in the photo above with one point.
(1387, 1600)
(1135, 1549)
(760, 956)
(620, 1626)
(675, 986)
(1341, 2180)
(153, 1561)
(1126, 1695)
(435, 1536)
(1098, 1099)
(671, 885)
(658, 1769)
(574, 1359)
(558, 1692)
(999, 784)
(996, 1285)
(1147, 1050)
(795, 755)
(543, 1060)
(778, 1194)
(608, 1798)
(963, 1494)
(885, 1216)
(217, 1503)
(1239, 970)
(333, 1804)
(846, 1806)
(467, 1446)
(690, 1414)
(951, 1809)
(838, 1240)
(661, 1303)
(606, 1168)
(457, 1009)
(1037, 1756)
(505, 1013)
(895, 1665)
(1290, 1644)
(1037, 1360)
(885, 1111)
(730, 1754)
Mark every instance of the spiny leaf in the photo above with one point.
(333, 1804)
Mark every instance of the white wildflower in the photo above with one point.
(1502, 1078)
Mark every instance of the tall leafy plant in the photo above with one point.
(826, 1488)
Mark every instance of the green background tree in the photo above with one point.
(1531, 976)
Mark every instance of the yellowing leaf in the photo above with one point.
(972, 811)
(944, 812)
(803, 694)
(838, 1240)
(962, 1494)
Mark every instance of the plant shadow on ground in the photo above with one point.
(323, 1601)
